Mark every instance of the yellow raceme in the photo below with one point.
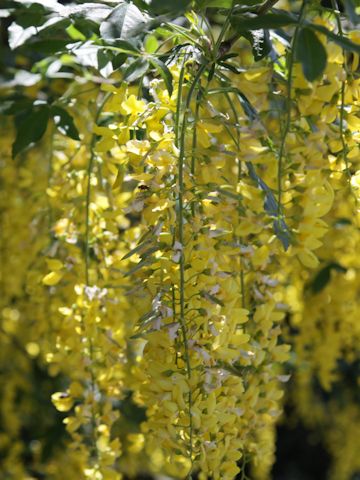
(166, 351)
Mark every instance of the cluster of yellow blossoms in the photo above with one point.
(152, 284)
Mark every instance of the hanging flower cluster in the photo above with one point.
(155, 270)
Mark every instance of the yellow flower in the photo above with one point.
(132, 106)
(52, 278)
(62, 401)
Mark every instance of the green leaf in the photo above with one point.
(311, 53)
(342, 41)
(251, 3)
(86, 53)
(231, 67)
(5, 12)
(164, 72)
(127, 46)
(42, 5)
(323, 277)
(33, 14)
(74, 33)
(95, 12)
(22, 78)
(211, 298)
(282, 232)
(151, 250)
(13, 105)
(249, 110)
(119, 60)
(19, 35)
(136, 69)
(124, 22)
(104, 61)
(144, 263)
(151, 44)
(30, 129)
(217, 3)
(64, 122)
(92, 11)
(242, 23)
(49, 46)
(157, 7)
(271, 206)
(229, 193)
(147, 318)
(137, 249)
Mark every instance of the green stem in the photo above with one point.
(342, 105)
(222, 34)
(180, 140)
(201, 94)
(194, 138)
(288, 103)
(179, 100)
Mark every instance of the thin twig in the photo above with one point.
(266, 6)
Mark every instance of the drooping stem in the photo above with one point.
(194, 138)
(342, 102)
(179, 101)
(288, 103)
(180, 140)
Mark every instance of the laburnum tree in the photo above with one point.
(179, 207)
